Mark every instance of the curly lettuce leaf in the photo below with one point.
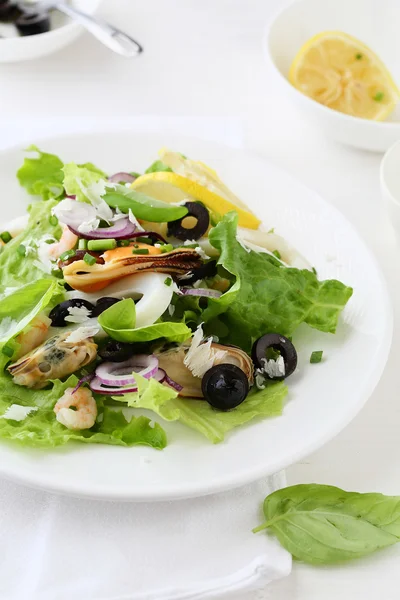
(42, 176)
(200, 415)
(41, 428)
(268, 297)
(77, 178)
(17, 269)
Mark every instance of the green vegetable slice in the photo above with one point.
(142, 206)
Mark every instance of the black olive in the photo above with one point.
(116, 351)
(197, 211)
(225, 386)
(31, 24)
(9, 12)
(102, 304)
(281, 344)
(59, 312)
(209, 269)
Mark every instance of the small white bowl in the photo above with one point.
(63, 32)
(390, 185)
(376, 23)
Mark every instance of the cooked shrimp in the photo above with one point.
(67, 241)
(85, 413)
(34, 336)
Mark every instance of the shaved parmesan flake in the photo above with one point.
(274, 368)
(82, 333)
(201, 356)
(78, 314)
(201, 253)
(16, 412)
(134, 221)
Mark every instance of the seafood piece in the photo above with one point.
(54, 359)
(173, 362)
(84, 277)
(67, 241)
(35, 336)
(76, 410)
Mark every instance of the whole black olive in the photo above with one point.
(9, 12)
(209, 269)
(281, 344)
(31, 24)
(225, 386)
(102, 304)
(198, 212)
(115, 351)
(59, 312)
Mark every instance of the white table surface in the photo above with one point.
(204, 57)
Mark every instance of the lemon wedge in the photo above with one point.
(342, 73)
(191, 180)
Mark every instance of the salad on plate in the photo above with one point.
(157, 291)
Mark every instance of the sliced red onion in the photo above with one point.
(82, 381)
(123, 229)
(206, 292)
(174, 384)
(122, 176)
(119, 374)
(160, 375)
(96, 385)
(71, 197)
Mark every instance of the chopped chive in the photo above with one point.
(140, 251)
(8, 351)
(136, 245)
(378, 96)
(314, 270)
(272, 230)
(167, 248)
(124, 243)
(53, 220)
(6, 236)
(57, 273)
(144, 240)
(168, 281)
(316, 356)
(82, 244)
(277, 254)
(21, 250)
(67, 255)
(49, 241)
(104, 244)
(358, 56)
(89, 259)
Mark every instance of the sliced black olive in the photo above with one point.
(32, 24)
(116, 351)
(102, 304)
(225, 386)
(59, 312)
(281, 344)
(196, 211)
(209, 269)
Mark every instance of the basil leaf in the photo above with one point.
(121, 315)
(143, 207)
(321, 524)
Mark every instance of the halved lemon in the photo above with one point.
(193, 181)
(339, 71)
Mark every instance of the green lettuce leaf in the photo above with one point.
(118, 322)
(268, 297)
(198, 414)
(16, 268)
(42, 176)
(86, 174)
(157, 166)
(41, 428)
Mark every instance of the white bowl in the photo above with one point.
(375, 23)
(63, 32)
(390, 185)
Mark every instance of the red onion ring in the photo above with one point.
(160, 376)
(82, 381)
(174, 384)
(205, 292)
(121, 230)
(96, 385)
(120, 374)
(122, 176)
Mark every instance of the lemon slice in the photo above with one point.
(342, 73)
(173, 187)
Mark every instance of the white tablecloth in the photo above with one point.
(204, 58)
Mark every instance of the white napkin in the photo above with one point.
(59, 548)
(56, 548)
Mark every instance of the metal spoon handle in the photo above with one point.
(110, 36)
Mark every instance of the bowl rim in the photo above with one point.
(268, 56)
(65, 28)
(382, 173)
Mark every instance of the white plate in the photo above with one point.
(323, 398)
